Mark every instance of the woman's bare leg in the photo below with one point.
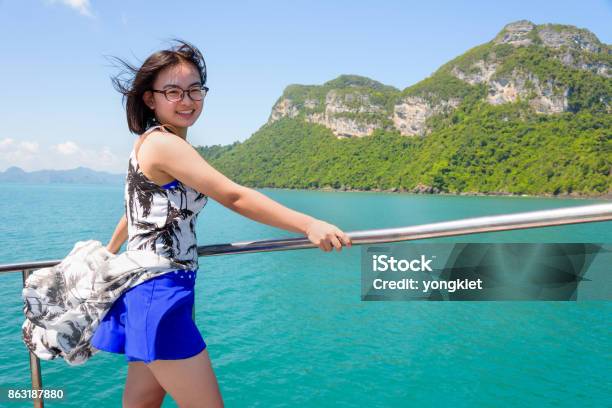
(141, 387)
(191, 382)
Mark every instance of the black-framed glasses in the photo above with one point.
(175, 94)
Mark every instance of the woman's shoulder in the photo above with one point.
(159, 139)
(151, 146)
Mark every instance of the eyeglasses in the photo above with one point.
(177, 94)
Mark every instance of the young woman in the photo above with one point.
(168, 183)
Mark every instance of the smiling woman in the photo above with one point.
(142, 82)
(167, 185)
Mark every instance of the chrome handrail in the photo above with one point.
(475, 225)
(532, 219)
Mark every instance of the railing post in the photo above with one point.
(35, 372)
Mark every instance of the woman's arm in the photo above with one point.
(119, 236)
(259, 207)
(177, 158)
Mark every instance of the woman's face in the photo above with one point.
(183, 113)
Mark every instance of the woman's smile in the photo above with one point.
(185, 114)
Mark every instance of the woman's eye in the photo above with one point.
(173, 93)
(195, 91)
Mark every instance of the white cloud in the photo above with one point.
(31, 147)
(107, 156)
(6, 144)
(82, 6)
(16, 154)
(101, 158)
(67, 148)
(30, 156)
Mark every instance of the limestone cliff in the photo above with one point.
(546, 66)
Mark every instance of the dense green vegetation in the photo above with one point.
(215, 151)
(443, 86)
(495, 149)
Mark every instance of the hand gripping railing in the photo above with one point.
(532, 219)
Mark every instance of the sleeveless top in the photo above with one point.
(162, 219)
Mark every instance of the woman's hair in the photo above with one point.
(139, 80)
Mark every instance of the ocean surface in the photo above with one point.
(289, 328)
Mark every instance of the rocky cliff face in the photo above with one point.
(524, 62)
(337, 112)
(545, 97)
(522, 33)
(347, 113)
(350, 105)
(571, 46)
(411, 113)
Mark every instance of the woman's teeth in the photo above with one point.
(189, 112)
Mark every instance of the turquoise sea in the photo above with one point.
(289, 328)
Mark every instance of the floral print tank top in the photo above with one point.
(162, 219)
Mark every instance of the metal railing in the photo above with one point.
(523, 220)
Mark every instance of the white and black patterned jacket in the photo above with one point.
(64, 304)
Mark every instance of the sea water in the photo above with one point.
(289, 329)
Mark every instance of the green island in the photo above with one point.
(528, 113)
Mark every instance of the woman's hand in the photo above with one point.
(327, 236)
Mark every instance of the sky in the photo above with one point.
(60, 111)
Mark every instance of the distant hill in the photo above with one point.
(79, 175)
(529, 112)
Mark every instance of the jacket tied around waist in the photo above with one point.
(65, 303)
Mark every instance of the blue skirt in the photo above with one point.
(153, 320)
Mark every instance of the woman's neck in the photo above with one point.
(182, 133)
(179, 131)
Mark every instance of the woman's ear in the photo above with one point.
(149, 100)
